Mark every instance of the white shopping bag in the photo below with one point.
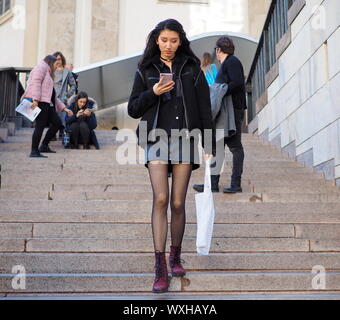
(25, 109)
(205, 212)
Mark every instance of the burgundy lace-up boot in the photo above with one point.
(175, 262)
(161, 283)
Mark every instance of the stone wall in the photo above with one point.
(31, 41)
(12, 34)
(303, 113)
(60, 27)
(110, 26)
(105, 24)
(257, 13)
(102, 38)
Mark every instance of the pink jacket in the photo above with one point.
(40, 85)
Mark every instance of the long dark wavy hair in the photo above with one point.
(152, 48)
(50, 60)
(81, 95)
(60, 54)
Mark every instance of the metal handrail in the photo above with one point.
(275, 26)
(11, 90)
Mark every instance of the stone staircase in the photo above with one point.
(79, 224)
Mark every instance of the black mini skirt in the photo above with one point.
(173, 150)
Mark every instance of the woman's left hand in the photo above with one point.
(69, 112)
(208, 157)
(87, 112)
(160, 87)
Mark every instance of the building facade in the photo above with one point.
(85, 31)
(88, 31)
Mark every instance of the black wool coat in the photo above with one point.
(144, 104)
(232, 73)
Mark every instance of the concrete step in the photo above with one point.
(20, 139)
(141, 263)
(26, 137)
(131, 134)
(109, 133)
(258, 180)
(12, 245)
(142, 206)
(84, 156)
(110, 147)
(294, 197)
(67, 163)
(25, 149)
(3, 135)
(290, 183)
(25, 141)
(307, 189)
(124, 195)
(143, 188)
(183, 296)
(238, 217)
(98, 231)
(141, 175)
(24, 187)
(193, 282)
(44, 188)
(140, 231)
(218, 245)
(57, 166)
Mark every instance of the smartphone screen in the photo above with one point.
(167, 77)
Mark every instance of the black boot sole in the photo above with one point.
(38, 157)
(178, 275)
(202, 190)
(198, 189)
(231, 192)
(160, 291)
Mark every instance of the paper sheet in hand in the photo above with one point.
(25, 109)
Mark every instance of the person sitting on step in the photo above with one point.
(83, 121)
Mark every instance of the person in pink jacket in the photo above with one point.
(40, 91)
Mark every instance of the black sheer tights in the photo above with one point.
(181, 174)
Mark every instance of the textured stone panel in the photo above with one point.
(290, 149)
(61, 27)
(327, 168)
(306, 158)
(276, 141)
(105, 24)
(333, 53)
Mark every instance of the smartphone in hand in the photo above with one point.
(167, 77)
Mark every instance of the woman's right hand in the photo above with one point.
(208, 157)
(160, 88)
(34, 104)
